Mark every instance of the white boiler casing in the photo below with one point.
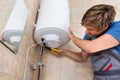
(16, 23)
(53, 22)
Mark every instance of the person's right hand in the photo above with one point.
(59, 52)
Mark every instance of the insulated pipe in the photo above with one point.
(53, 22)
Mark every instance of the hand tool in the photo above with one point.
(53, 50)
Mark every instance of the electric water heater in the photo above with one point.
(53, 22)
(16, 23)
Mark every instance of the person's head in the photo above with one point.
(98, 18)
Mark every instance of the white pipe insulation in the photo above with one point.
(53, 22)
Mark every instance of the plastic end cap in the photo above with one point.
(15, 40)
(52, 40)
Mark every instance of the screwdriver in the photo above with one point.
(53, 50)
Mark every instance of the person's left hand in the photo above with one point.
(70, 33)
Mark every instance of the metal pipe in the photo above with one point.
(40, 65)
(26, 61)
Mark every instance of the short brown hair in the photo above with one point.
(99, 16)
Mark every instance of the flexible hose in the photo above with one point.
(26, 61)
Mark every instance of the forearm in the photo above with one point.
(103, 42)
(77, 56)
(82, 44)
(85, 45)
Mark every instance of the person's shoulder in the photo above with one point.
(114, 30)
(115, 22)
